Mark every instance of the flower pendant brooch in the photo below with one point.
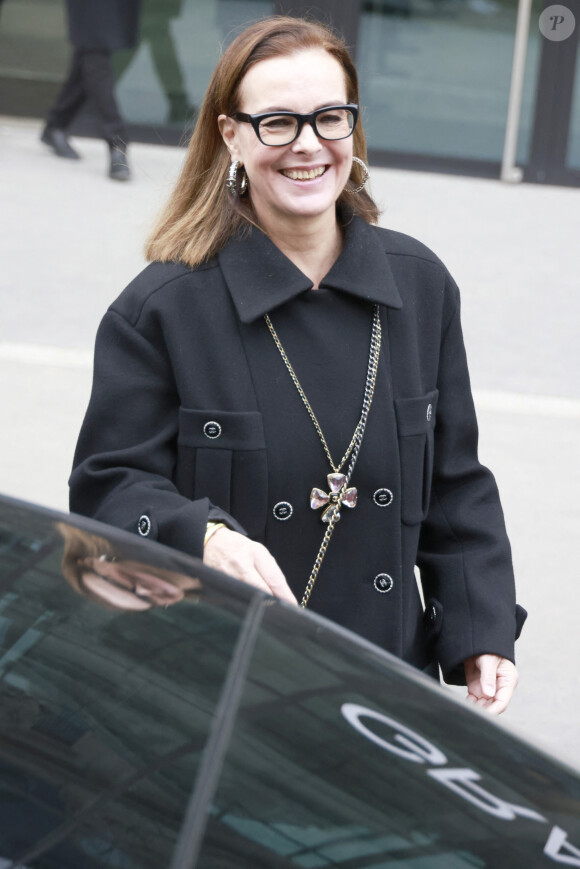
(335, 498)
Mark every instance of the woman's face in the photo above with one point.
(129, 585)
(301, 82)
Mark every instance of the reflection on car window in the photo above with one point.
(302, 788)
(103, 714)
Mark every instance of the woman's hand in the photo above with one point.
(246, 560)
(491, 682)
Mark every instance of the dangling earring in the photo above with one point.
(232, 179)
(366, 174)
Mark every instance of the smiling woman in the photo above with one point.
(295, 173)
(275, 331)
(272, 66)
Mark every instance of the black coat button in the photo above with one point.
(432, 614)
(383, 497)
(383, 583)
(283, 510)
(212, 429)
(144, 525)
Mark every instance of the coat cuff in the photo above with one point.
(439, 642)
(182, 528)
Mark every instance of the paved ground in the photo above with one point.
(70, 239)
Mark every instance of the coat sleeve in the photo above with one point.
(127, 449)
(464, 554)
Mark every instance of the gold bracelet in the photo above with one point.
(211, 529)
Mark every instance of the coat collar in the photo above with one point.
(260, 278)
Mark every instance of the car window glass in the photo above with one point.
(301, 787)
(103, 714)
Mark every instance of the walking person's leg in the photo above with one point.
(99, 81)
(69, 100)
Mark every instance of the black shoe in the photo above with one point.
(119, 169)
(57, 140)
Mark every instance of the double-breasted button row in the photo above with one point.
(283, 510)
(382, 582)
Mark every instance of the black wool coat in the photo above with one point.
(106, 25)
(194, 415)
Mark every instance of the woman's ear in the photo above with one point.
(227, 128)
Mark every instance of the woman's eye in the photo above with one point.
(279, 123)
(331, 118)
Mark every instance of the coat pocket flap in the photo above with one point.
(221, 429)
(416, 416)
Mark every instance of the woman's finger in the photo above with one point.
(269, 570)
(507, 680)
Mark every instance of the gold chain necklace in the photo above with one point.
(340, 494)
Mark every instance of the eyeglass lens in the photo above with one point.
(283, 129)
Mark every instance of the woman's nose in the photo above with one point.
(307, 140)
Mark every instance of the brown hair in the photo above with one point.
(78, 545)
(202, 215)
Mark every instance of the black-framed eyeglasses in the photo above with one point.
(283, 128)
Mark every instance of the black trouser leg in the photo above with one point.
(71, 96)
(99, 82)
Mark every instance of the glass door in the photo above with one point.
(435, 78)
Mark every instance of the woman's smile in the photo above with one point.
(304, 174)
